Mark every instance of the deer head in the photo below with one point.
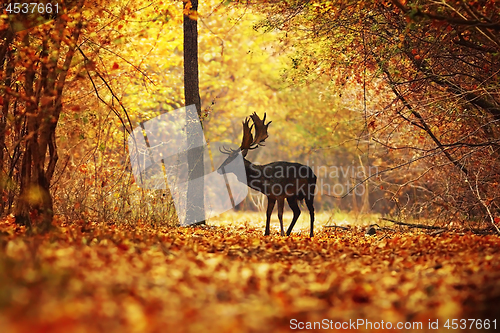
(249, 141)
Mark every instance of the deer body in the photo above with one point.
(277, 180)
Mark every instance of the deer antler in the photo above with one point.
(260, 129)
(248, 141)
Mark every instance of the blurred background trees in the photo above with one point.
(405, 93)
(427, 76)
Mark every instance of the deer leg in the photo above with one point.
(310, 206)
(292, 202)
(281, 205)
(270, 207)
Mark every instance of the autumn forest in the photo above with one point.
(249, 166)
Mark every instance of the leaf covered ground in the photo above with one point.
(233, 279)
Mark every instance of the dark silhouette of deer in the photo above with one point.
(277, 180)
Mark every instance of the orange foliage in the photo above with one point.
(139, 279)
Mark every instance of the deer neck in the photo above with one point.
(254, 175)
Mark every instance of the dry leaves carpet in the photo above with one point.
(233, 279)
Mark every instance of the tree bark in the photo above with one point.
(195, 206)
(44, 90)
(6, 60)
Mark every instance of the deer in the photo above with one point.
(277, 180)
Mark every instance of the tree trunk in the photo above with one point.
(44, 84)
(195, 206)
(6, 60)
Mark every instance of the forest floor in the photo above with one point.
(228, 277)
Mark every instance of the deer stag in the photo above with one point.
(277, 180)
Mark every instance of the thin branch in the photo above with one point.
(380, 173)
(336, 226)
(411, 225)
(482, 201)
(423, 125)
(112, 93)
(122, 58)
(462, 21)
